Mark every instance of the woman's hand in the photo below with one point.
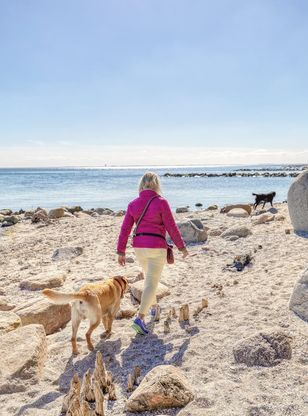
(184, 252)
(121, 259)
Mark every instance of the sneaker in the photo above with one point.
(140, 327)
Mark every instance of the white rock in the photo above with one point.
(238, 213)
(299, 298)
(191, 233)
(45, 280)
(41, 311)
(23, 354)
(263, 218)
(137, 289)
(239, 230)
(298, 202)
(8, 322)
(165, 386)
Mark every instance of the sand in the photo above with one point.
(253, 300)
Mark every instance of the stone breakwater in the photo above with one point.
(233, 174)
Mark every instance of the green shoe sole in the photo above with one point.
(138, 329)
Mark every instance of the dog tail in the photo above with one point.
(61, 298)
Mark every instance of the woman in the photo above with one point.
(150, 250)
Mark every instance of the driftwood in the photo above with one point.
(166, 327)
(73, 394)
(99, 400)
(87, 392)
(184, 313)
(204, 304)
(130, 384)
(157, 313)
(86, 409)
(111, 392)
(100, 375)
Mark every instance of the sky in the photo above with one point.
(153, 82)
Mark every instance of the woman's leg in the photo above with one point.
(156, 259)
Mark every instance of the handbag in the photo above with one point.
(170, 255)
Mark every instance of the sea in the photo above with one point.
(114, 187)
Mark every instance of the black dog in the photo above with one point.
(264, 198)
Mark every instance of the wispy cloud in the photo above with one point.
(87, 155)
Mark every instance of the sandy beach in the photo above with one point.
(240, 304)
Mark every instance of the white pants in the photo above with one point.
(152, 261)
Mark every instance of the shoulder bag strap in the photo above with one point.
(142, 215)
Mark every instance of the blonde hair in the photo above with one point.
(150, 180)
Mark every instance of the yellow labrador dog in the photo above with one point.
(94, 301)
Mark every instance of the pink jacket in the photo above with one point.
(158, 219)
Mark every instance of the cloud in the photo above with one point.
(89, 155)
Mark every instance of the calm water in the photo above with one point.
(115, 187)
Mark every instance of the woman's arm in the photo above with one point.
(126, 228)
(171, 227)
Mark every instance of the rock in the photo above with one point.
(228, 208)
(74, 209)
(135, 275)
(6, 212)
(279, 217)
(68, 215)
(12, 219)
(215, 232)
(137, 289)
(50, 315)
(119, 213)
(130, 259)
(2, 292)
(212, 207)
(1, 218)
(43, 281)
(180, 210)
(239, 230)
(66, 253)
(8, 322)
(104, 211)
(263, 349)
(238, 213)
(198, 223)
(6, 306)
(191, 233)
(299, 298)
(232, 237)
(53, 214)
(263, 218)
(287, 231)
(198, 204)
(40, 216)
(165, 386)
(23, 354)
(298, 202)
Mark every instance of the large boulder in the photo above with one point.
(238, 230)
(66, 253)
(23, 354)
(136, 290)
(298, 202)
(245, 207)
(39, 215)
(299, 298)
(8, 322)
(180, 210)
(43, 280)
(238, 213)
(263, 349)
(51, 316)
(191, 233)
(165, 386)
